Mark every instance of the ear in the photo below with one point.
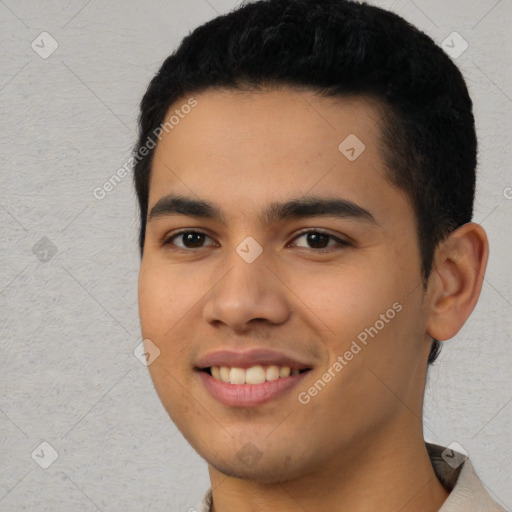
(456, 279)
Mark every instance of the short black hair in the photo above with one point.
(339, 48)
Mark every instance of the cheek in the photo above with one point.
(164, 298)
(344, 300)
(169, 300)
(374, 303)
(161, 306)
(152, 302)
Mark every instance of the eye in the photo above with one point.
(319, 240)
(190, 240)
(315, 239)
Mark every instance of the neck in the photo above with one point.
(389, 472)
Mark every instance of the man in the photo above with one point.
(306, 172)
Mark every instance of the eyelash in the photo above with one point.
(341, 243)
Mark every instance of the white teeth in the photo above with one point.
(224, 374)
(254, 375)
(237, 376)
(272, 372)
(284, 371)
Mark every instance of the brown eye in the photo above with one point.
(320, 240)
(190, 240)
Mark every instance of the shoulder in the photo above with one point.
(467, 493)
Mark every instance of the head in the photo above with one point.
(263, 101)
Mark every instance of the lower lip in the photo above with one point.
(249, 395)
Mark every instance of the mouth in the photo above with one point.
(251, 387)
(251, 377)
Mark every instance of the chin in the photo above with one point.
(261, 473)
(250, 463)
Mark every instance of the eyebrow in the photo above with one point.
(295, 208)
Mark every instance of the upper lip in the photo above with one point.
(251, 357)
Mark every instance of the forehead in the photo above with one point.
(272, 123)
(247, 148)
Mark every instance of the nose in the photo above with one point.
(246, 294)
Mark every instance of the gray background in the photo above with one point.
(69, 305)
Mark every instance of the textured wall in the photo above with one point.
(68, 271)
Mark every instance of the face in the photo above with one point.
(304, 261)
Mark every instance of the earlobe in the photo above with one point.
(456, 280)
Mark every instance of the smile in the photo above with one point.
(254, 375)
(250, 387)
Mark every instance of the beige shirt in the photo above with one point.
(467, 493)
